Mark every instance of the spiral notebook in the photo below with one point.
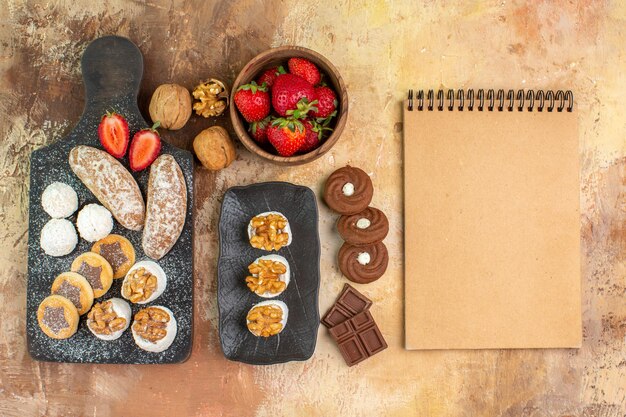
(492, 220)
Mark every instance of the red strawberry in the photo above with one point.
(144, 148)
(305, 69)
(113, 134)
(269, 76)
(253, 101)
(286, 135)
(287, 91)
(313, 134)
(258, 130)
(326, 102)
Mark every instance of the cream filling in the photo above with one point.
(363, 223)
(364, 258)
(348, 189)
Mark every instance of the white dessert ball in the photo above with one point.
(171, 328)
(58, 237)
(59, 200)
(275, 303)
(94, 222)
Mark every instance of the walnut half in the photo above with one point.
(212, 96)
(151, 323)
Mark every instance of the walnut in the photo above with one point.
(214, 148)
(170, 106)
(139, 286)
(151, 323)
(265, 320)
(265, 277)
(213, 98)
(103, 319)
(269, 232)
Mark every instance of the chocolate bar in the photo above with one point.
(358, 338)
(349, 303)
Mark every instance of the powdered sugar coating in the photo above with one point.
(94, 222)
(58, 237)
(167, 204)
(59, 200)
(111, 183)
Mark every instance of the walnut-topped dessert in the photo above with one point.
(154, 328)
(108, 319)
(267, 318)
(269, 231)
(269, 276)
(144, 282)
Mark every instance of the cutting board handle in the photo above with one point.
(112, 70)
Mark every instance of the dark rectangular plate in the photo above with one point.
(297, 341)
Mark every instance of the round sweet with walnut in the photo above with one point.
(154, 328)
(269, 276)
(144, 282)
(108, 319)
(267, 318)
(269, 231)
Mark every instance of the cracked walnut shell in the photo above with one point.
(212, 96)
(170, 106)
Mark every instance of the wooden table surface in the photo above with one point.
(381, 48)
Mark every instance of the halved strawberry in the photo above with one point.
(305, 69)
(144, 148)
(113, 134)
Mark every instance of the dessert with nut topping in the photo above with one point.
(154, 328)
(269, 231)
(109, 319)
(269, 276)
(267, 318)
(145, 281)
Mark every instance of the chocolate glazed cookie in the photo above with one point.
(364, 228)
(363, 264)
(348, 190)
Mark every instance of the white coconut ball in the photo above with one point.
(163, 344)
(156, 270)
(94, 222)
(122, 309)
(287, 229)
(58, 237)
(59, 200)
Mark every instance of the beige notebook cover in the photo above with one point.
(492, 229)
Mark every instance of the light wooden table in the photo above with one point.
(381, 48)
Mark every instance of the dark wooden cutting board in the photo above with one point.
(112, 69)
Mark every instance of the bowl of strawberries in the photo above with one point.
(290, 105)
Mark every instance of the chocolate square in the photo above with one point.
(335, 315)
(349, 303)
(352, 300)
(362, 320)
(360, 333)
(373, 340)
(342, 330)
(352, 350)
